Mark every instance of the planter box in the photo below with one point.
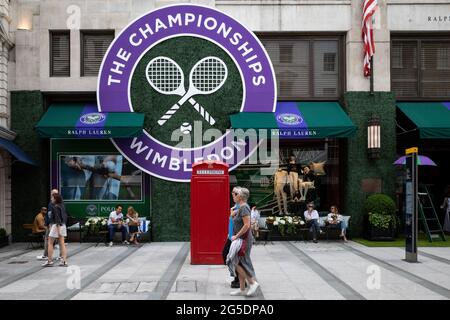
(381, 234)
(4, 241)
(275, 235)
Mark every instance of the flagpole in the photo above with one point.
(371, 75)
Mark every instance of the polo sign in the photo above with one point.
(187, 68)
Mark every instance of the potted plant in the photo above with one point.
(3, 238)
(381, 218)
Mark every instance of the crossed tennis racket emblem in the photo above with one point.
(207, 76)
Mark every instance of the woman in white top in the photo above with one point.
(446, 207)
(312, 220)
(335, 218)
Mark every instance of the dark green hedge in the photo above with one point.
(29, 185)
(170, 207)
(360, 106)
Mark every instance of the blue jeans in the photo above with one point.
(112, 230)
(343, 226)
(314, 226)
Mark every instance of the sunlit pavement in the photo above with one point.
(285, 270)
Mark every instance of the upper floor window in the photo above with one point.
(93, 47)
(420, 67)
(60, 53)
(306, 66)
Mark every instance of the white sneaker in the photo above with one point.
(238, 292)
(47, 264)
(41, 258)
(110, 244)
(252, 289)
(125, 242)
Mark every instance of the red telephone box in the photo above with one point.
(210, 206)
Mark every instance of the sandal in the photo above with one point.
(63, 263)
(47, 264)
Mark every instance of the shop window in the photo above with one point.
(306, 66)
(93, 48)
(59, 53)
(99, 177)
(316, 170)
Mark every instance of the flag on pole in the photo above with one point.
(367, 34)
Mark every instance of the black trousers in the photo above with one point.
(226, 249)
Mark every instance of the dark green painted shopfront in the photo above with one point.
(334, 144)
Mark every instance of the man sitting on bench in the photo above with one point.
(115, 223)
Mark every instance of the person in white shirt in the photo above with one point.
(312, 219)
(335, 218)
(115, 223)
(254, 222)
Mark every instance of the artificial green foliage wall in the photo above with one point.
(170, 210)
(360, 106)
(186, 52)
(29, 184)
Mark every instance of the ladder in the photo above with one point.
(427, 214)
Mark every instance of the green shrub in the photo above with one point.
(381, 211)
(380, 204)
(2, 233)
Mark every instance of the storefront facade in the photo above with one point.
(316, 52)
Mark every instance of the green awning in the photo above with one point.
(84, 121)
(431, 118)
(297, 120)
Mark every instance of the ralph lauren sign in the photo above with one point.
(439, 18)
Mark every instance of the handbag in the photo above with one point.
(243, 247)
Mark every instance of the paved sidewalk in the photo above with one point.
(285, 270)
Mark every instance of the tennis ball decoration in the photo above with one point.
(186, 128)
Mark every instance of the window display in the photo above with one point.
(306, 171)
(98, 177)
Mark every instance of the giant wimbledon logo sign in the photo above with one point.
(187, 68)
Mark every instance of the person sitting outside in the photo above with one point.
(115, 223)
(254, 222)
(334, 218)
(133, 224)
(312, 220)
(39, 222)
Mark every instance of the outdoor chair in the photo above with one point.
(264, 230)
(35, 240)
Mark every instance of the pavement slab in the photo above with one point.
(285, 271)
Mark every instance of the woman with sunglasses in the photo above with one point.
(312, 220)
(241, 229)
(335, 218)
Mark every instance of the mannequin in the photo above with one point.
(280, 180)
(308, 181)
(293, 177)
